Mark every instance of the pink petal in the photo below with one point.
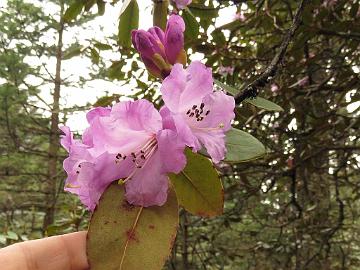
(167, 119)
(171, 151)
(66, 139)
(97, 112)
(184, 88)
(130, 125)
(214, 143)
(199, 84)
(148, 186)
(173, 86)
(221, 107)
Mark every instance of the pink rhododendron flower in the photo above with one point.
(200, 115)
(274, 88)
(160, 50)
(240, 16)
(181, 4)
(329, 3)
(125, 142)
(226, 70)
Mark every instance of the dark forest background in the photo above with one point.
(298, 207)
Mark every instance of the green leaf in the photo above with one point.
(101, 7)
(160, 13)
(95, 57)
(2, 239)
(89, 4)
(198, 187)
(124, 6)
(107, 100)
(241, 146)
(102, 46)
(72, 52)
(11, 235)
(73, 11)
(231, 90)
(115, 70)
(192, 26)
(127, 237)
(258, 101)
(129, 20)
(264, 104)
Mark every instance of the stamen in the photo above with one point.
(194, 107)
(207, 112)
(147, 156)
(188, 112)
(71, 186)
(202, 105)
(191, 114)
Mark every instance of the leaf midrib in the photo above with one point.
(202, 196)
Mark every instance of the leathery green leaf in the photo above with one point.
(73, 11)
(198, 187)
(241, 146)
(126, 237)
(129, 20)
(231, 90)
(192, 26)
(264, 104)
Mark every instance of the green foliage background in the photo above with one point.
(295, 208)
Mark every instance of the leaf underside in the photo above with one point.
(242, 147)
(126, 237)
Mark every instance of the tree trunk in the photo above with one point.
(50, 183)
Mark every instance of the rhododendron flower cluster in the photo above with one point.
(137, 145)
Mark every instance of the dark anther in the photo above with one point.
(196, 111)
(77, 172)
(124, 157)
(139, 167)
(188, 112)
(207, 112)
(191, 114)
(202, 105)
(142, 156)
(142, 151)
(201, 118)
(133, 154)
(134, 160)
(79, 166)
(194, 107)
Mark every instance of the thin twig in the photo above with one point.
(252, 89)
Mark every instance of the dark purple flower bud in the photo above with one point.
(174, 40)
(151, 49)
